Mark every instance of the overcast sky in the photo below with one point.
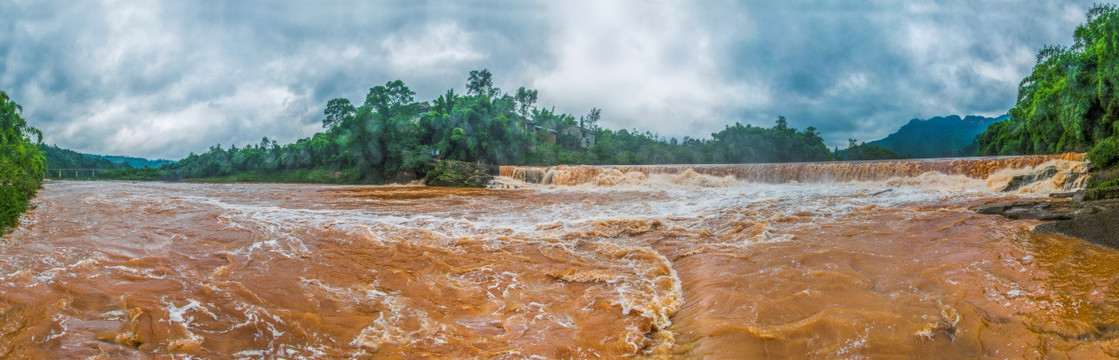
(163, 79)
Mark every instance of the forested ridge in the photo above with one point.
(391, 137)
(57, 158)
(940, 136)
(1070, 101)
(21, 162)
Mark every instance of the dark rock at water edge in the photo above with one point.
(459, 174)
(1101, 194)
(1100, 228)
(1089, 194)
(1037, 210)
(1094, 221)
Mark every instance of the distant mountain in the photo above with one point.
(68, 159)
(59, 158)
(132, 161)
(942, 136)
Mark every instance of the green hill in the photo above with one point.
(942, 136)
(68, 159)
(134, 162)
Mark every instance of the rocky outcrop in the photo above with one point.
(459, 174)
(1100, 194)
(1095, 221)
(1100, 227)
(1038, 210)
(1089, 194)
(1020, 181)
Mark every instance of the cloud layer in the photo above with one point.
(163, 79)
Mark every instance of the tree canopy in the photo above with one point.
(390, 137)
(21, 161)
(1069, 101)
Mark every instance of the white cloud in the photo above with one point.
(439, 50)
(649, 65)
(162, 79)
(144, 124)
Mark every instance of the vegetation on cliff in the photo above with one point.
(1070, 101)
(21, 162)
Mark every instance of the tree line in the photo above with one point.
(1069, 102)
(391, 137)
(21, 163)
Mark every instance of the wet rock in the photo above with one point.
(1037, 210)
(1101, 194)
(993, 209)
(1064, 195)
(1020, 181)
(1094, 220)
(1099, 226)
(459, 174)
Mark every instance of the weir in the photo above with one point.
(810, 172)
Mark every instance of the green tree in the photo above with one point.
(390, 99)
(480, 82)
(336, 111)
(591, 120)
(525, 99)
(22, 164)
(386, 139)
(1068, 102)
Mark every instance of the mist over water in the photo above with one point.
(801, 260)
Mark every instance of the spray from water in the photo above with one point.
(1040, 174)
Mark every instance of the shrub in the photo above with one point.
(1105, 154)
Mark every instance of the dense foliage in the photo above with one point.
(1106, 153)
(1070, 101)
(856, 151)
(21, 162)
(106, 167)
(134, 162)
(390, 137)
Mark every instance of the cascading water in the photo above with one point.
(1071, 168)
(735, 261)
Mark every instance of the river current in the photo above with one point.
(763, 261)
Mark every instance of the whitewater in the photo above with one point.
(812, 260)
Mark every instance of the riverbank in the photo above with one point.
(1091, 215)
(1100, 227)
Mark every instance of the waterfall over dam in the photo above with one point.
(1071, 171)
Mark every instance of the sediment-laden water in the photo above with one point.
(802, 260)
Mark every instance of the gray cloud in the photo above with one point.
(162, 79)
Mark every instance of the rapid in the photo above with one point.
(817, 260)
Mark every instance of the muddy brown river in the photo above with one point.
(763, 261)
